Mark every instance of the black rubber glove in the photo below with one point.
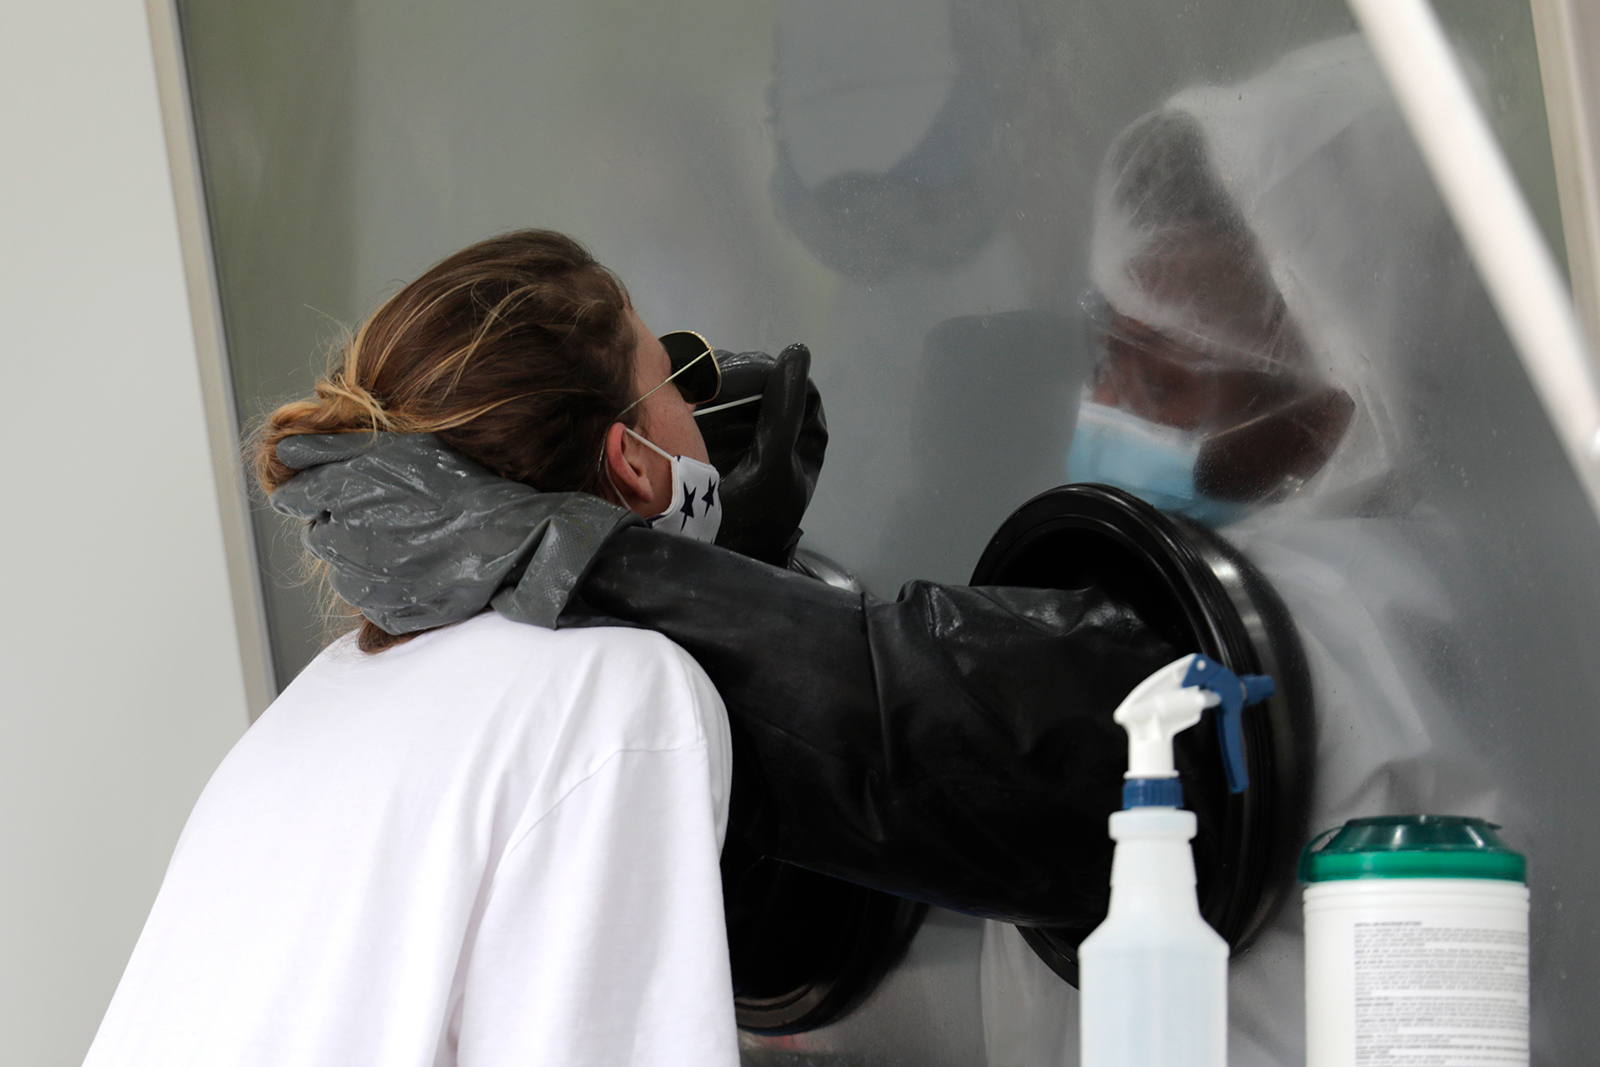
(416, 535)
(955, 746)
(768, 451)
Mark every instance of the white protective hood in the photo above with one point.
(1306, 170)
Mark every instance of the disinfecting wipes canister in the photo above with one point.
(1416, 945)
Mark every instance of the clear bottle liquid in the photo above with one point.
(1154, 975)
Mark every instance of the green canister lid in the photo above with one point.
(1411, 846)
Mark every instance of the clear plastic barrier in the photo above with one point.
(1027, 241)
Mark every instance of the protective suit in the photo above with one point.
(1266, 265)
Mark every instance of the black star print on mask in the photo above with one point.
(688, 506)
(710, 500)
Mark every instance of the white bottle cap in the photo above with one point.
(1157, 710)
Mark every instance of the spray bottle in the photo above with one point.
(1154, 975)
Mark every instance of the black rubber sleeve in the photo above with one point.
(955, 746)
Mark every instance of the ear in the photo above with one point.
(633, 474)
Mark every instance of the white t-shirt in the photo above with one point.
(493, 845)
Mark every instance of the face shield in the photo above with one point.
(1250, 258)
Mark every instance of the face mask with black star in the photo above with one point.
(696, 508)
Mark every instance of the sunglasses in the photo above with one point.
(695, 373)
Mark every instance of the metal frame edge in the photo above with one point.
(1574, 122)
(216, 385)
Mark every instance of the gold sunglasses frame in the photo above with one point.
(708, 353)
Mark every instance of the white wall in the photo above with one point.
(121, 683)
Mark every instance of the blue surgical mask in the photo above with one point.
(696, 508)
(1153, 462)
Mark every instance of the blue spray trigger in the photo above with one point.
(1233, 693)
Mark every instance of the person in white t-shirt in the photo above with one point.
(464, 837)
(485, 843)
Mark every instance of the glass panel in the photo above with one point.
(910, 186)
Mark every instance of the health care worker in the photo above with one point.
(1268, 260)
(485, 828)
